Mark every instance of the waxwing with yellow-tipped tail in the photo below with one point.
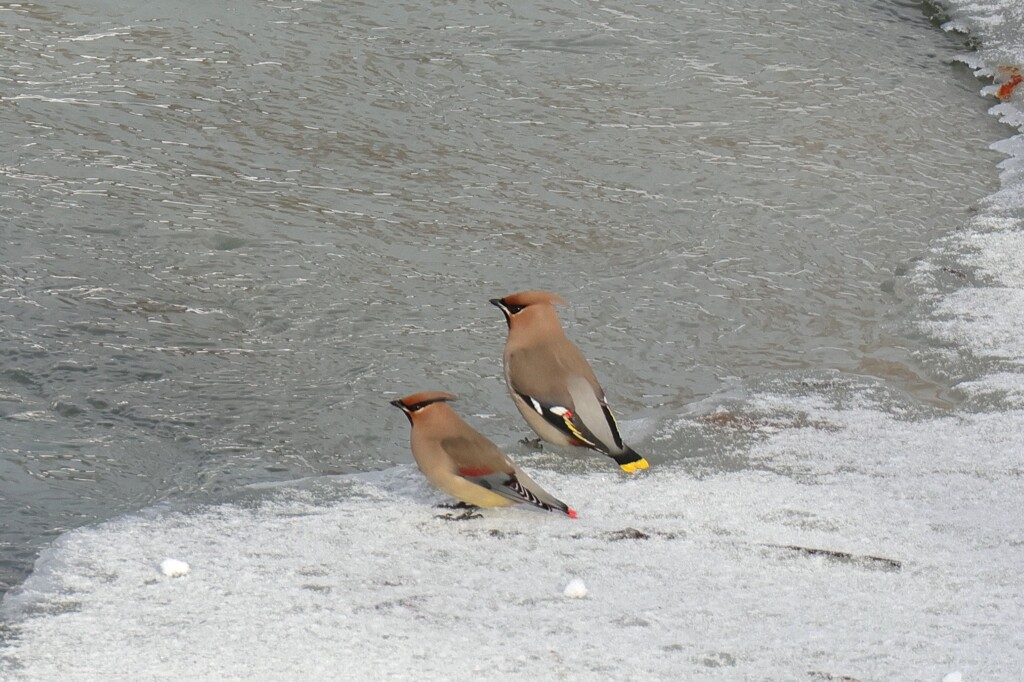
(553, 385)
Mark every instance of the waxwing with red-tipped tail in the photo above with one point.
(462, 462)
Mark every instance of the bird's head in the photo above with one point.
(411, 404)
(514, 304)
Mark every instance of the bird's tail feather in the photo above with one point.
(630, 461)
(534, 494)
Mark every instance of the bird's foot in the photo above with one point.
(470, 513)
(533, 443)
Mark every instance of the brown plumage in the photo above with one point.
(553, 385)
(460, 461)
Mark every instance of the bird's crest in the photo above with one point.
(417, 401)
(528, 298)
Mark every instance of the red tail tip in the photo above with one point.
(571, 512)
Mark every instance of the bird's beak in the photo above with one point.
(504, 310)
(405, 410)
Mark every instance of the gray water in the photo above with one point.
(231, 232)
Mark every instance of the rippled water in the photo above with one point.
(231, 233)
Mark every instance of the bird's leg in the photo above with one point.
(533, 443)
(469, 513)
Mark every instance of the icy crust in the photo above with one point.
(996, 24)
(983, 318)
(858, 547)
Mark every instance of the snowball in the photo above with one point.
(173, 568)
(575, 589)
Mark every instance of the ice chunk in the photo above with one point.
(174, 568)
(575, 589)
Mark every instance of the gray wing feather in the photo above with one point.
(517, 487)
(592, 414)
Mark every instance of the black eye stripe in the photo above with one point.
(419, 406)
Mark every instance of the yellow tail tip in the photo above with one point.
(635, 466)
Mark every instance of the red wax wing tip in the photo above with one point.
(474, 471)
(571, 513)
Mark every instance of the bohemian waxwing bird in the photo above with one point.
(460, 461)
(553, 385)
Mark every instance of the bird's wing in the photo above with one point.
(545, 499)
(480, 462)
(540, 375)
(583, 417)
(473, 452)
(593, 415)
(512, 488)
(559, 416)
(540, 371)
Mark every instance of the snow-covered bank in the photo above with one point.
(356, 578)
(984, 318)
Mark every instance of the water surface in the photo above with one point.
(231, 234)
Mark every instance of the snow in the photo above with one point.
(854, 545)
